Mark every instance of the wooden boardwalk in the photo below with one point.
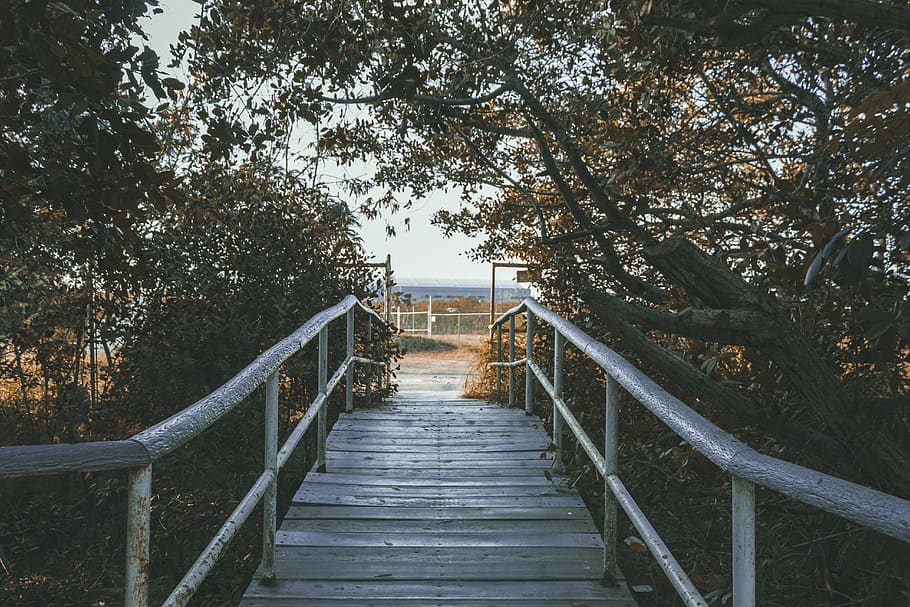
(433, 500)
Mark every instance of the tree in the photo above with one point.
(76, 141)
(252, 254)
(675, 165)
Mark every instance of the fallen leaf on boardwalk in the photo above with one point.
(635, 544)
(543, 455)
(367, 457)
(388, 543)
(547, 474)
(395, 489)
(383, 575)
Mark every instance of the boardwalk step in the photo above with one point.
(437, 502)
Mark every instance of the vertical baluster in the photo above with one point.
(743, 543)
(511, 360)
(529, 375)
(349, 374)
(323, 357)
(368, 353)
(558, 358)
(138, 533)
(499, 360)
(611, 464)
(270, 500)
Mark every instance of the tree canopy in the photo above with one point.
(729, 175)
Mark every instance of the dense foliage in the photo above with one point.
(677, 166)
(718, 187)
(137, 275)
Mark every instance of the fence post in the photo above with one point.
(323, 357)
(429, 316)
(558, 358)
(611, 466)
(349, 374)
(743, 543)
(529, 375)
(511, 360)
(369, 354)
(138, 532)
(499, 360)
(270, 500)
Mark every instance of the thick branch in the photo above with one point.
(702, 275)
(743, 327)
(429, 99)
(681, 373)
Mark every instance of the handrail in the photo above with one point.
(138, 453)
(877, 510)
(164, 437)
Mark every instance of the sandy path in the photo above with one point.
(447, 371)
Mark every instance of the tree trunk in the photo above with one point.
(882, 458)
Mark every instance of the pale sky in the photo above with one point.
(419, 252)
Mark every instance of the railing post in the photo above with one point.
(511, 360)
(323, 380)
(499, 360)
(270, 500)
(611, 466)
(529, 375)
(349, 374)
(369, 354)
(743, 543)
(138, 533)
(558, 358)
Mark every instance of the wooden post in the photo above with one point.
(743, 543)
(499, 360)
(611, 424)
(323, 356)
(369, 354)
(270, 500)
(349, 374)
(511, 360)
(558, 358)
(138, 535)
(529, 375)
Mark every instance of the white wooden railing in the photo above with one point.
(138, 453)
(885, 513)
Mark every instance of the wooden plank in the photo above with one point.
(450, 513)
(414, 491)
(304, 496)
(447, 503)
(438, 540)
(456, 563)
(496, 590)
(410, 480)
(611, 601)
(501, 459)
(452, 448)
(499, 525)
(419, 473)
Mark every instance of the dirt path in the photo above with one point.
(447, 370)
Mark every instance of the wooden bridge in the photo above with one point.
(437, 500)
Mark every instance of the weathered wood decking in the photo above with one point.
(437, 501)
